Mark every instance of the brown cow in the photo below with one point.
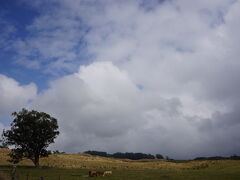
(92, 173)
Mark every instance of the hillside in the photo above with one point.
(85, 161)
(89, 161)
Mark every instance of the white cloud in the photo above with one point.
(6, 33)
(160, 75)
(101, 108)
(14, 96)
(100, 101)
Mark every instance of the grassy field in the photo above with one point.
(76, 166)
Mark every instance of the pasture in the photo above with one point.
(76, 167)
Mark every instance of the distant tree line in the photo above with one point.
(57, 152)
(133, 156)
(137, 156)
(234, 157)
(127, 155)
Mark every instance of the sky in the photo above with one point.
(126, 75)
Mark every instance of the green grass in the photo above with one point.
(225, 170)
(75, 166)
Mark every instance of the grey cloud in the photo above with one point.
(105, 118)
(184, 54)
(131, 120)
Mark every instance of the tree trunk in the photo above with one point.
(36, 162)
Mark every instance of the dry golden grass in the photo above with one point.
(85, 161)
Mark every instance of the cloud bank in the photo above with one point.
(101, 108)
(157, 77)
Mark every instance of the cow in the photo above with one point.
(107, 173)
(92, 173)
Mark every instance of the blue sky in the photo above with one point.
(18, 15)
(124, 75)
(16, 18)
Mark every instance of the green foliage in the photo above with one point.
(119, 155)
(58, 152)
(133, 156)
(31, 133)
(159, 156)
(234, 157)
(98, 153)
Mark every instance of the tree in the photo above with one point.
(159, 156)
(31, 133)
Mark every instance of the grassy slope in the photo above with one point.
(73, 166)
(85, 161)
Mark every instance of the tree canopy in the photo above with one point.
(120, 155)
(31, 133)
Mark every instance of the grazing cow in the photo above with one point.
(107, 173)
(92, 173)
